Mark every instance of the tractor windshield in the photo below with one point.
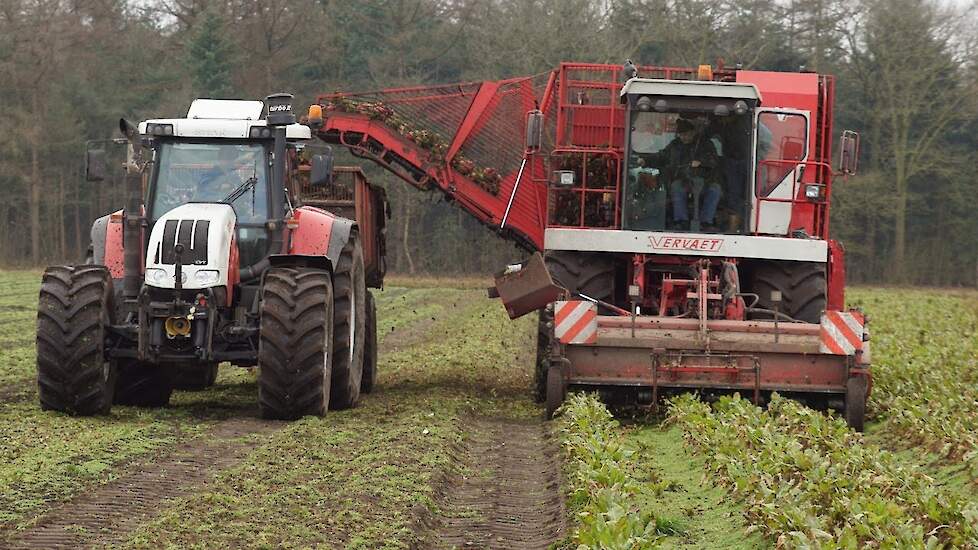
(209, 172)
(688, 169)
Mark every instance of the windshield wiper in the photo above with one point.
(241, 190)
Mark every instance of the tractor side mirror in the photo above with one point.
(534, 130)
(95, 165)
(322, 169)
(849, 153)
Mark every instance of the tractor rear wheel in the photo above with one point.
(801, 284)
(556, 390)
(143, 384)
(349, 324)
(586, 273)
(856, 389)
(370, 346)
(295, 341)
(195, 377)
(74, 311)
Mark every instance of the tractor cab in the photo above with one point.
(222, 152)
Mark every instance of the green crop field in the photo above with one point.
(450, 450)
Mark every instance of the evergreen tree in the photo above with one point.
(211, 57)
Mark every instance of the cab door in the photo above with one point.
(781, 148)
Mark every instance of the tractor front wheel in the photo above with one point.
(73, 314)
(295, 343)
(856, 389)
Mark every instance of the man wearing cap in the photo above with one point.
(689, 163)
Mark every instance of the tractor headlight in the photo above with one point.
(813, 192)
(158, 277)
(159, 129)
(259, 132)
(207, 276)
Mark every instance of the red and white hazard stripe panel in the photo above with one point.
(842, 333)
(576, 322)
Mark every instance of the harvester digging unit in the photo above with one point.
(682, 216)
(219, 255)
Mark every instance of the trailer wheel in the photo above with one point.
(370, 346)
(295, 343)
(73, 312)
(802, 286)
(587, 273)
(143, 384)
(195, 377)
(556, 390)
(349, 324)
(856, 389)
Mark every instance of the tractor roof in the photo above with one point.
(223, 118)
(690, 88)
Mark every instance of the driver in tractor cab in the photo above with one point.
(689, 163)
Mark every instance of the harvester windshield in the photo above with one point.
(688, 167)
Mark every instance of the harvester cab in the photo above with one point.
(215, 258)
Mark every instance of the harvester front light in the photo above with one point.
(208, 276)
(813, 191)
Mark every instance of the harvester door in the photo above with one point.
(781, 138)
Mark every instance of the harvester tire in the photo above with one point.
(74, 311)
(295, 341)
(556, 390)
(349, 325)
(856, 389)
(370, 347)
(143, 384)
(590, 274)
(195, 377)
(802, 286)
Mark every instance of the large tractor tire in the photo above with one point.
(587, 273)
(74, 311)
(802, 286)
(143, 384)
(195, 377)
(370, 347)
(294, 347)
(349, 325)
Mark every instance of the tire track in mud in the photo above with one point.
(108, 513)
(509, 494)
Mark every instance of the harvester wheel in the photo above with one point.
(556, 390)
(143, 384)
(195, 377)
(349, 324)
(590, 274)
(294, 347)
(73, 312)
(802, 287)
(370, 346)
(856, 389)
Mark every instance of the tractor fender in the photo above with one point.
(319, 233)
(99, 228)
(300, 260)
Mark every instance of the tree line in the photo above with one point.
(906, 80)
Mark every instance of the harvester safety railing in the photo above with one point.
(800, 177)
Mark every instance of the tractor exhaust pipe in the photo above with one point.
(279, 116)
(132, 238)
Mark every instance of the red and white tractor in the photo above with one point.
(215, 259)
